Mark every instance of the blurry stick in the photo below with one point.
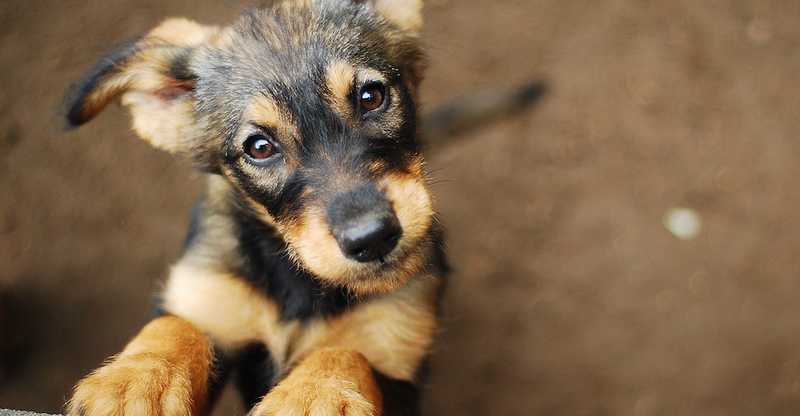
(469, 112)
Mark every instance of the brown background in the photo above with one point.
(569, 296)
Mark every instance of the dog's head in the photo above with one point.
(307, 109)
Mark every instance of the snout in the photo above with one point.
(364, 224)
(369, 238)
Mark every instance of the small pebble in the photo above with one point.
(683, 223)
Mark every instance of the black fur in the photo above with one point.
(365, 198)
(400, 398)
(256, 374)
(283, 55)
(220, 372)
(437, 263)
(298, 293)
(179, 66)
(195, 221)
(76, 96)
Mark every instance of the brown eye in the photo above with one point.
(371, 96)
(259, 148)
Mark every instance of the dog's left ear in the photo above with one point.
(152, 78)
(405, 14)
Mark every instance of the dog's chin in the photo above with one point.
(384, 276)
(376, 277)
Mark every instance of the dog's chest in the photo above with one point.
(236, 313)
(393, 331)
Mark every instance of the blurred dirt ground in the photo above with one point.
(569, 297)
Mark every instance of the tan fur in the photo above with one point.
(405, 14)
(163, 371)
(394, 333)
(317, 248)
(161, 111)
(339, 78)
(164, 124)
(311, 241)
(336, 382)
(412, 205)
(133, 75)
(201, 290)
(376, 166)
(218, 245)
(335, 356)
(327, 362)
(369, 74)
(183, 32)
(266, 113)
(231, 311)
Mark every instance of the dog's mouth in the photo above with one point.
(387, 263)
(380, 275)
(390, 272)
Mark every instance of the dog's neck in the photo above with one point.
(223, 234)
(266, 265)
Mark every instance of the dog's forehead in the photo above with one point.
(282, 40)
(291, 47)
(292, 54)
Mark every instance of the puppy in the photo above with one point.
(314, 266)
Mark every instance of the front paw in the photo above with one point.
(143, 384)
(327, 397)
(328, 383)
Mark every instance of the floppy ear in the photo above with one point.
(405, 14)
(149, 76)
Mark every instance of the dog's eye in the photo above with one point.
(371, 96)
(259, 148)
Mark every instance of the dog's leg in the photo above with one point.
(365, 362)
(165, 370)
(327, 382)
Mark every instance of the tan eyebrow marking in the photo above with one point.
(369, 74)
(339, 78)
(265, 112)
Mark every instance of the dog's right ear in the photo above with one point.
(405, 14)
(152, 78)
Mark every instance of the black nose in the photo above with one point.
(369, 239)
(364, 224)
